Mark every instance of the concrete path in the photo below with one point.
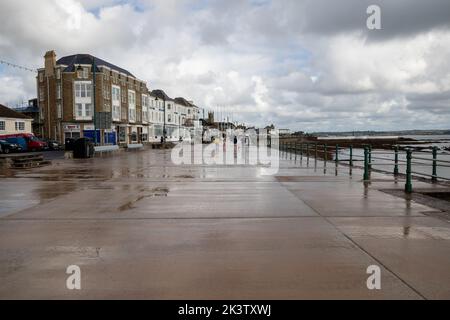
(140, 227)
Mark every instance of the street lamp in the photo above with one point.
(93, 97)
(164, 122)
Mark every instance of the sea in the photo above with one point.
(422, 160)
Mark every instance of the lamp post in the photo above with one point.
(164, 122)
(93, 97)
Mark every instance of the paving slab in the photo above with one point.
(141, 227)
(187, 259)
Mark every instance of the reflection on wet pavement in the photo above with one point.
(142, 227)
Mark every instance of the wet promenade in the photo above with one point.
(140, 227)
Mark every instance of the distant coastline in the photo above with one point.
(402, 133)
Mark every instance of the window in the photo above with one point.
(2, 125)
(88, 109)
(83, 89)
(85, 73)
(79, 109)
(145, 105)
(83, 101)
(132, 115)
(169, 118)
(20, 126)
(79, 74)
(58, 91)
(116, 112)
(116, 93)
(58, 73)
(41, 94)
(59, 110)
(41, 77)
(116, 103)
(131, 106)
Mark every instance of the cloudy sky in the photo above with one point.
(302, 64)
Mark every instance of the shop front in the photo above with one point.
(71, 131)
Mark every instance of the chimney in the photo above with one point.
(50, 63)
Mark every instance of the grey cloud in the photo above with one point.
(212, 52)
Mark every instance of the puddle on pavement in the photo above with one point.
(152, 193)
(405, 232)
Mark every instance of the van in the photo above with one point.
(27, 141)
(18, 141)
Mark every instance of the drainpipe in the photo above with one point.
(48, 109)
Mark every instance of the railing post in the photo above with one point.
(337, 154)
(295, 147)
(290, 150)
(366, 163)
(315, 151)
(351, 156)
(396, 161)
(434, 174)
(307, 150)
(325, 147)
(408, 185)
(370, 157)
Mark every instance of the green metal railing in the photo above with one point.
(371, 158)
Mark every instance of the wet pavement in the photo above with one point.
(140, 227)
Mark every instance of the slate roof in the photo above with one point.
(74, 60)
(160, 94)
(183, 102)
(6, 112)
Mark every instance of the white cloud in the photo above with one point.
(296, 64)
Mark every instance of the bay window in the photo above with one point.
(131, 106)
(115, 99)
(145, 106)
(83, 100)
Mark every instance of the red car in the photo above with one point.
(33, 143)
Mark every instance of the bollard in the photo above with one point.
(408, 185)
(366, 164)
(351, 156)
(396, 161)
(337, 154)
(434, 174)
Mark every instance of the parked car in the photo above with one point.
(31, 142)
(52, 144)
(7, 147)
(19, 141)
